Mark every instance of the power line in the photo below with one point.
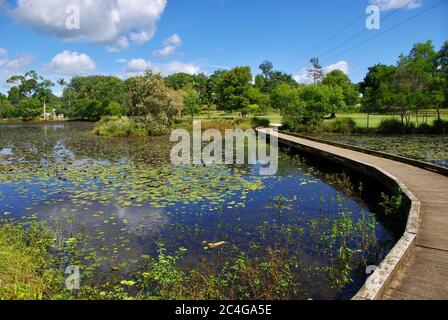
(330, 38)
(388, 30)
(352, 37)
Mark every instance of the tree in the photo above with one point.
(29, 109)
(413, 78)
(179, 81)
(260, 102)
(89, 97)
(234, 89)
(215, 86)
(192, 103)
(317, 72)
(319, 101)
(266, 68)
(150, 99)
(28, 86)
(442, 72)
(6, 109)
(337, 78)
(278, 77)
(377, 89)
(62, 83)
(286, 99)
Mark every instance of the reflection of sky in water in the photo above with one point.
(6, 152)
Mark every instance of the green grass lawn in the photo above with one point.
(360, 118)
(375, 119)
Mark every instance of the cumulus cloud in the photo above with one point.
(302, 75)
(139, 66)
(70, 63)
(170, 45)
(341, 65)
(112, 22)
(386, 5)
(10, 67)
(19, 62)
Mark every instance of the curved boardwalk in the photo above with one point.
(424, 274)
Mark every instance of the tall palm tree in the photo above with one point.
(62, 83)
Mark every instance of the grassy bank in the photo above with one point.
(26, 270)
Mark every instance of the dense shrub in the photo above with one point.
(29, 109)
(260, 122)
(119, 127)
(341, 125)
(440, 127)
(391, 126)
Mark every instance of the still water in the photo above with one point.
(125, 198)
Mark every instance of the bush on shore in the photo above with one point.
(126, 127)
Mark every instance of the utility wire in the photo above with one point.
(389, 29)
(351, 38)
(330, 38)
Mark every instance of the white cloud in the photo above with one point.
(302, 75)
(10, 67)
(70, 63)
(341, 65)
(176, 66)
(137, 67)
(111, 22)
(121, 44)
(386, 5)
(121, 60)
(170, 45)
(20, 62)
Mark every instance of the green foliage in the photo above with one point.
(391, 126)
(6, 109)
(26, 270)
(192, 103)
(339, 79)
(115, 109)
(260, 122)
(234, 89)
(92, 97)
(119, 127)
(341, 125)
(29, 109)
(392, 205)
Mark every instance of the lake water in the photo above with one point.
(124, 197)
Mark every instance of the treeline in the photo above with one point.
(417, 82)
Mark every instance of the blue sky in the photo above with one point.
(123, 38)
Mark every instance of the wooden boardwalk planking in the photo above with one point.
(425, 273)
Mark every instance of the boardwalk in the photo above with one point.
(424, 274)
